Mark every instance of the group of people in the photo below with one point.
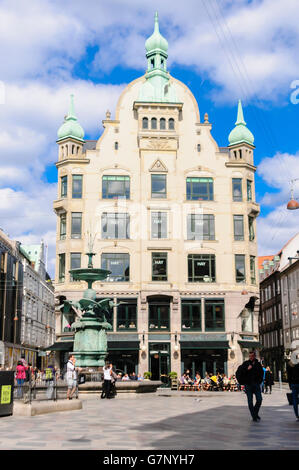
(210, 382)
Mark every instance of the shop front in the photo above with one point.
(204, 356)
(159, 361)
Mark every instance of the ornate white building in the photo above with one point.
(173, 215)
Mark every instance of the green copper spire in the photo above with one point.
(71, 126)
(157, 87)
(240, 134)
(156, 42)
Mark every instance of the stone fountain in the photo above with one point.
(90, 342)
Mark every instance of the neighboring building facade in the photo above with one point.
(38, 312)
(11, 281)
(279, 300)
(173, 217)
(270, 321)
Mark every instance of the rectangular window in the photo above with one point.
(240, 268)
(63, 186)
(214, 315)
(115, 225)
(201, 268)
(159, 318)
(75, 262)
(62, 226)
(249, 190)
(127, 314)
(251, 228)
(200, 227)
(252, 270)
(61, 270)
(76, 224)
(237, 189)
(77, 186)
(118, 264)
(159, 190)
(114, 187)
(159, 224)
(191, 314)
(159, 266)
(200, 189)
(238, 227)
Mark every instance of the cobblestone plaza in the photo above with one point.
(163, 421)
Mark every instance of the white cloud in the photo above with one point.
(280, 224)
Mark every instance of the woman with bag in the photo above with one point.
(269, 380)
(20, 377)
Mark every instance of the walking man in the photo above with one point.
(71, 377)
(251, 374)
(293, 380)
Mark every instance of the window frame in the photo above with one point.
(214, 303)
(118, 217)
(192, 258)
(105, 264)
(158, 195)
(63, 186)
(106, 194)
(238, 220)
(126, 319)
(189, 303)
(238, 279)
(193, 196)
(75, 235)
(159, 327)
(162, 217)
(240, 182)
(208, 219)
(77, 194)
(156, 255)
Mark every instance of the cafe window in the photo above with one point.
(77, 186)
(159, 316)
(237, 189)
(159, 224)
(201, 268)
(200, 227)
(115, 225)
(114, 187)
(158, 186)
(127, 314)
(200, 189)
(191, 314)
(159, 266)
(240, 268)
(118, 264)
(76, 224)
(238, 227)
(214, 315)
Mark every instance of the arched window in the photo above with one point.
(171, 124)
(198, 147)
(116, 145)
(162, 124)
(78, 148)
(144, 123)
(154, 123)
(73, 149)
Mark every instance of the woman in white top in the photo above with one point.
(106, 385)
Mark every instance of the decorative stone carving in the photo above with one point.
(158, 166)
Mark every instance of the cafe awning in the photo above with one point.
(249, 344)
(204, 344)
(123, 345)
(61, 346)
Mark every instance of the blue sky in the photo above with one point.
(222, 49)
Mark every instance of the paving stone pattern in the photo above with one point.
(167, 420)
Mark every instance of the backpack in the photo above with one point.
(240, 374)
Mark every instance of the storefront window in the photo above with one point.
(191, 314)
(127, 314)
(159, 318)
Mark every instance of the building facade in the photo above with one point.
(279, 292)
(172, 216)
(38, 311)
(11, 282)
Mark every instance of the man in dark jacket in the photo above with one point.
(252, 376)
(293, 379)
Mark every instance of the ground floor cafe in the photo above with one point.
(126, 352)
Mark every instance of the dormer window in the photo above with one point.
(171, 124)
(144, 123)
(154, 123)
(162, 124)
